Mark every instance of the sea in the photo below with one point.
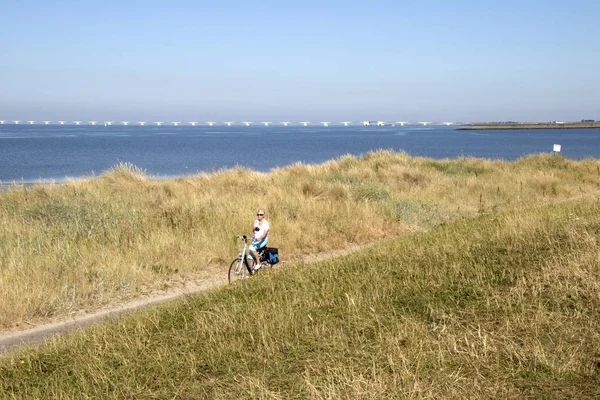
(33, 153)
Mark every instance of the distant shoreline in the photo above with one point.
(579, 125)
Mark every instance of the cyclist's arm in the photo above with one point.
(263, 236)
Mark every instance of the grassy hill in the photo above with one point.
(500, 305)
(72, 248)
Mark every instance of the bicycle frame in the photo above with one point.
(236, 269)
(244, 253)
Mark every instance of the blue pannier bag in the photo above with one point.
(272, 255)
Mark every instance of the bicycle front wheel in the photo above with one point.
(237, 270)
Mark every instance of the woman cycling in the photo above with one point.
(261, 236)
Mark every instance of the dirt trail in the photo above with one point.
(10, 341)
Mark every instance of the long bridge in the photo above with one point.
(227, 123)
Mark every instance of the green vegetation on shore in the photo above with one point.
(102, 241)
(577, 125)
(503, 305)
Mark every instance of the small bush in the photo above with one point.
(544, 161)
(457, 167)
(417, 212)
(370, 191)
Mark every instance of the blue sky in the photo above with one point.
(307, 60)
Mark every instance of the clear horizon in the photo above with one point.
(388, 60)
(271, 123)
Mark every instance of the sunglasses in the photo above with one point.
(258, 215)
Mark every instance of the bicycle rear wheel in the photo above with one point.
(237, 270)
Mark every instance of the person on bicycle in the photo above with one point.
(261, 236)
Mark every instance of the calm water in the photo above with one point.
(31, 153)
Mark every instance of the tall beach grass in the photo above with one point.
(104, 240)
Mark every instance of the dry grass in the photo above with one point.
(503, 305)
(101, 241)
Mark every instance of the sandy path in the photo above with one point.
(10, 341)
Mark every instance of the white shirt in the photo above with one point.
(262, 228)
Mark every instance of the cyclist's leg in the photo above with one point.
(254, 255)
(254, 247)
(262, 245)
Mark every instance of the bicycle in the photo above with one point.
(241, 269)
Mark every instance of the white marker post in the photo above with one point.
(556, 148)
